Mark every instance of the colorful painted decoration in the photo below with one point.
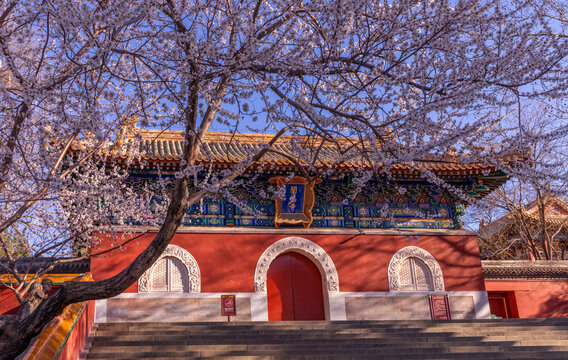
(335, 205)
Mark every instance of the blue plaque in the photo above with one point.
(293, 202)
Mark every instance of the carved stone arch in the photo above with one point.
(421, 254)
(302, 246)
(185, 258)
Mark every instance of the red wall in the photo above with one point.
(76, 339)
(9, 304)
(227, 261)
(535, 298)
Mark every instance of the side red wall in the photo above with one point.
(535, 298)
(76, 339)
(227, 261)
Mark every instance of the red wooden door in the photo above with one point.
(294, 289)
(499, 304)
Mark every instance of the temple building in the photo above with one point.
(518, 283)
(326, 248)
(527, 289)
(518, 234)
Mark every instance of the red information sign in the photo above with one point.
(440, 307)
(228, 305)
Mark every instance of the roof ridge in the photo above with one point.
(219, 136)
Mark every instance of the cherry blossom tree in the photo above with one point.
(536, 229)
(528, 217)
(392, 82)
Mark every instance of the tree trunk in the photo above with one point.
(16, 334)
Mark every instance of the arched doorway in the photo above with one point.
(294, 289)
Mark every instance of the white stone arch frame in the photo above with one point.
(186, 259)
(416, 252)
(302, 246)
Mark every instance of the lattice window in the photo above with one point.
(160, 275)
(169, 274)
(415, 275)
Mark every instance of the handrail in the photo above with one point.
(49, 344)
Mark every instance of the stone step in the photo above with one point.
(346, 332)
(454, 342)
(486, 339)
(338, 324)
(267, 337)
(378, 352)
(323, 347)
(450, 356)
(88, 342)
(157, 336)
(237, 331)
(310, 338)
(334, 329)
(316, 323)
(479, 322)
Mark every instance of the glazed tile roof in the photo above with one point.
(34, 265)
(524, 269)
(226, 148)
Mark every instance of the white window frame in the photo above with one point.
(421, 254)
(178, 253)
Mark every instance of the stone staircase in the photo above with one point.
(456, 339)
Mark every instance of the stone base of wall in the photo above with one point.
(178, 307)
(407, 307)
(163, 307)
(387, 308)
(404, 308)
(172, 310)
(462, 307)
